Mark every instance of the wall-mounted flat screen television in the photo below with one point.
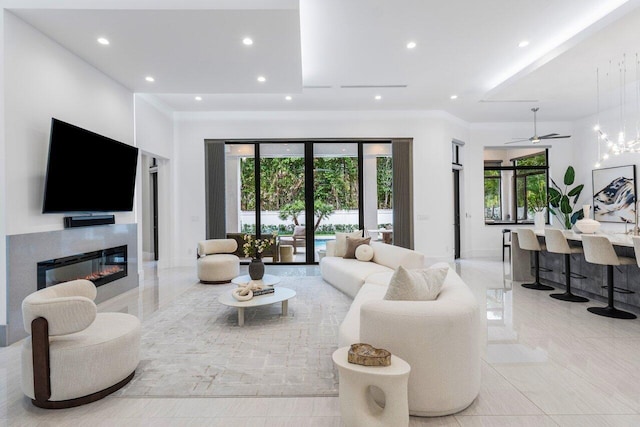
(88, 172)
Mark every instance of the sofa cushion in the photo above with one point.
(416, 284)
(341, 242)
(349, 332)
(353, 243)
(364, 253)
(348, 275)
(393, 256)
(381, 279)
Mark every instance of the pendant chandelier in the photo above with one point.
(621, 141)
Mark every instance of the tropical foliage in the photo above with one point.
(563, 200)
(282, 185)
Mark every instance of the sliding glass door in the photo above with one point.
(303, 192)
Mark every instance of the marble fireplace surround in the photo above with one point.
(24, 251)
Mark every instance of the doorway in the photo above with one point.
(456, 213)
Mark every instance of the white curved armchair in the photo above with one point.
(75, 355)
(216, 262)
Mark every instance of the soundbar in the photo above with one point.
(88, 220)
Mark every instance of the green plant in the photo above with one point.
(563, 202)
(537, 200)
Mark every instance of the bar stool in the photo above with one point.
(506, 241)
(528, 241)
(599, 250)
(556, 242)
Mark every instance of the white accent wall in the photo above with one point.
(44, 80)
(432, 133)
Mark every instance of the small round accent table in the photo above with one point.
(357, 406)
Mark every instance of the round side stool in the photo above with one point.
(357, 406)
(286, 253)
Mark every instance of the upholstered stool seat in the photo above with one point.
(528, 241)
(217, 262)
(556, 242)
(286, 253)
(600, 250)
(75, 355)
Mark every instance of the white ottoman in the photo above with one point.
(357, 406)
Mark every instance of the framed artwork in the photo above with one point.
(614, 194)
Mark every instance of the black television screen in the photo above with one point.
(87, 172)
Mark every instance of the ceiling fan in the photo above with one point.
(535, 138)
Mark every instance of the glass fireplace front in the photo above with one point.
(100, 267)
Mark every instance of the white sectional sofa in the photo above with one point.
(348, 275)
(440, 339)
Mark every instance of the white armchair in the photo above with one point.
(75, 355)
(216, 261)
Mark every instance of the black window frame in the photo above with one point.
(513, 187)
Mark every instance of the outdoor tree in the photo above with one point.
(321, 210)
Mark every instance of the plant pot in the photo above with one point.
(256, 269)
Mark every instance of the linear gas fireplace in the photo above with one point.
(100, 267)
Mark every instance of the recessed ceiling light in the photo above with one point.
(103, 41)
(262, 79)
(378, 97)
(454, 97)
(411, 45)
(150, 79)
(198, 98)
(247, 41)
(288, 98)
(523, 43)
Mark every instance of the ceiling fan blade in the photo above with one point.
(519, 140)
(548, 135)
(555, 137)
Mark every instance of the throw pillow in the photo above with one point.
(364, 253)
(341, 242)
(352, 245)
(416, 284)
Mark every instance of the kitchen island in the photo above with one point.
(588, 280)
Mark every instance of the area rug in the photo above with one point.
(194, 346)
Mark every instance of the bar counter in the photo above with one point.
(588, 280)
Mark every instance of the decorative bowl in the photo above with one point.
(367, 355)
(587, 226)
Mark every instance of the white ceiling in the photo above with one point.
(312, 50)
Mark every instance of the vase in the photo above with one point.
(539, 221)
(256, 269)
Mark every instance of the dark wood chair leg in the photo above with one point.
(40, 358)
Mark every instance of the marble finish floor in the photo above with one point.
(545, 363)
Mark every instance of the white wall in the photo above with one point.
(154, 136)
(586, 156)
(482, 240)
(43, 80)
(3, 184)
(431, 132)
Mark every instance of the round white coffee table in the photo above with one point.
(267, 280)
(282, 295)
